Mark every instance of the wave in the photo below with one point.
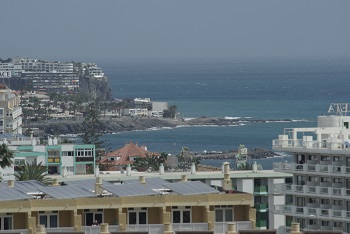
(232, 118)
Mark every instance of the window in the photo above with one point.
(313, 157)
(337, 180)
(325, 223)
(325, 179)
(336, 159)
(337, 202)
(325, 158)
(49, 219)
(20, 162)
(92, 216)
(181, 214)
(223, 214)
(6, 221)
(84, 152)
(67, 153)
(137, 216)
(325, 202)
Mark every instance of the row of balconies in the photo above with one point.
(284, 145)
(331, 191)
(305, 168)
(220, 228)
(314, 213)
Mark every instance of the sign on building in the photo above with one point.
(5, 74)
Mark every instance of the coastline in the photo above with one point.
(110, 125)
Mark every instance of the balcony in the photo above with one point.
(323, 168)
(260, 190)
(261, 207)
(307, 143)
(261, 224)
(54, 160)
(314, 213)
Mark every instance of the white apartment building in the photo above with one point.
(35, 65)
(14, 68)
(319, 196)
(10, 111)
(59, 159)
(95, 71)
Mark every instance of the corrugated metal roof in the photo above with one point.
(190, 188)
(154, 183)
(88, 184)
(11, 194)
(64, 192)
(25, 186)
(129, 190)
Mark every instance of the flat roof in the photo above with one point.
(214, 175)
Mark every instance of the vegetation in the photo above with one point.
(171, 112)
(91, 135)
(6, 156)
(151, 161)
(247, 166)
(33, 172)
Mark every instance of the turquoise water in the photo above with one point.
(298, 89)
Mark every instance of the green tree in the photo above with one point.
(33, 172)
(91, 124)
(150, 161)
(6, 156)
(170, 112)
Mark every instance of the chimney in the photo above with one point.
(142, 180)
(98, 188)
(55, 183)
(226, 182)
(295, 228)
(255, 167)
(193, 168)
(11, 183)
(128, 170)
(161, 169)
(97, 171)
(231, 228)
(183, 178)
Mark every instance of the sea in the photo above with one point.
(287, 92)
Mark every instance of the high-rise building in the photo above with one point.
(10, 111)
(319, 196)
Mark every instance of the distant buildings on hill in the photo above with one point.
(43, 75)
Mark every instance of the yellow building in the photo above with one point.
(151, 204)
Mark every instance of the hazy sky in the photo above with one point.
(86, 29)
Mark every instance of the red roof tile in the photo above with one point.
(124, 154)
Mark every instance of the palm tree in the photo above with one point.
(6, 156)
(33, 172)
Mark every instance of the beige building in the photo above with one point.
(152, 205)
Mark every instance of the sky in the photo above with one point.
(112, 29)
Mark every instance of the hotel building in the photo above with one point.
(319, 196)
(10, 111)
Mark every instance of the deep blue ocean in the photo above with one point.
(270, 89)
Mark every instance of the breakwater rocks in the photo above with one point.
(255, 153)
(114, 125)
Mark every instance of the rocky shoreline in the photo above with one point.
(115, 125)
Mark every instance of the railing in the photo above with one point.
(21, 231)
(260, 189)
(150, 228)
(261, 206)
(240, 225)
(61, 229)
(307, 168)
(95, 229)
(300, 143)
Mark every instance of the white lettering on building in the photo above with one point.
(5, 74)
(339, 108)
